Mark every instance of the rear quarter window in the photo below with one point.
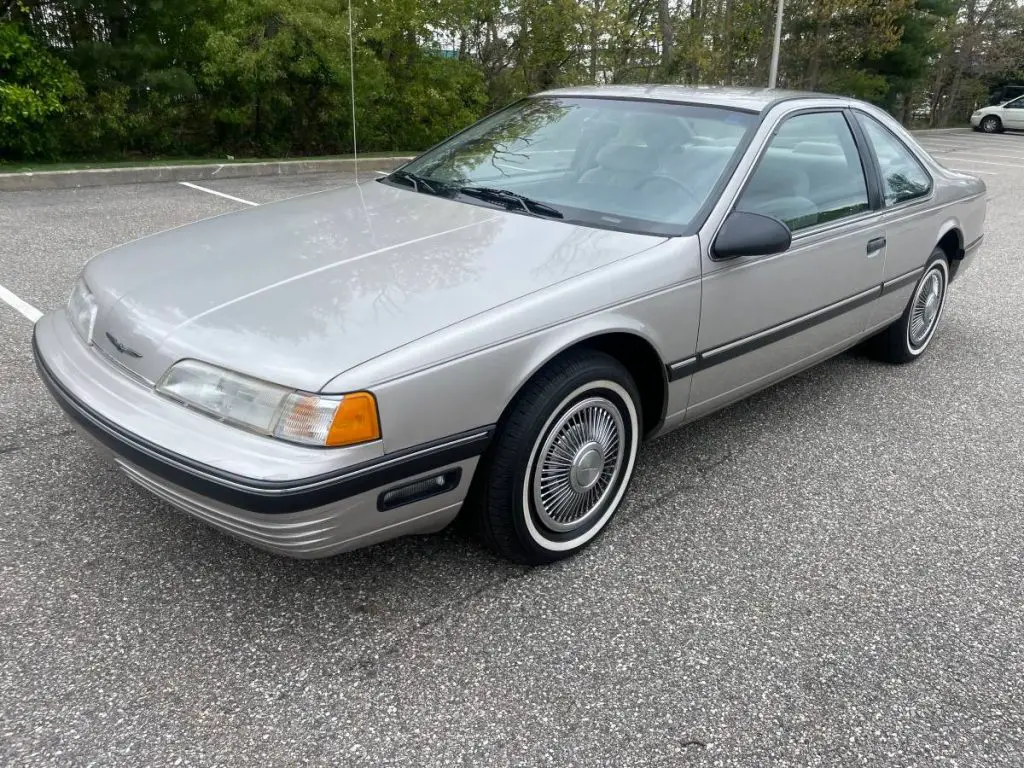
(903, 177)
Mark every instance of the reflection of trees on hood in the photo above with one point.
(360, 293)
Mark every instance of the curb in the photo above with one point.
(101, 177)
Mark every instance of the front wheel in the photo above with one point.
(561, 461)
(907, 338)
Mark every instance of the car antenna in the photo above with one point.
(352, 87)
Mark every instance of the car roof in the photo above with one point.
(749, 99)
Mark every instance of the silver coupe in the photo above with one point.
(495, 327)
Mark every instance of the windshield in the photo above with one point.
(633, 165)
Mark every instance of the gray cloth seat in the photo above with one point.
(696, 166)
(781, 187)
(779, 174)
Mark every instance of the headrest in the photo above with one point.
(625, 158)
(661, 130)
(817, 148)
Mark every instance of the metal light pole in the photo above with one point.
(352, 88)
(773, 74)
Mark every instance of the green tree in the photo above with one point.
(109, 78)
(35, 90)
(903, 70)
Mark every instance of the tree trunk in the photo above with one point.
(697, 38)
(954, 93)
(257, 123)
(821, 24)
(716, 39)
(730, 63)
(764, 49)
(668, 39)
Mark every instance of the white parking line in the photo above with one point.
(21, 306)
(969, 156)
(190, 185)
(968, 160)
(975, 170)
(975, 145)
(975, 142)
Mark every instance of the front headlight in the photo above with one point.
(82, 310)
(300, 417)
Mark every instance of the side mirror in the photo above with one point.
(750, 234)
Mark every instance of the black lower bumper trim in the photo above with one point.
(267, 497)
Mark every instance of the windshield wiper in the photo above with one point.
(418, 182)
(513, 199)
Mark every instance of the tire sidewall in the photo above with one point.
(604, 381)
(937, 262)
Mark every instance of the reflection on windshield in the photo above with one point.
(636, 165)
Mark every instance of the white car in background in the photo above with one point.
(1000, 117)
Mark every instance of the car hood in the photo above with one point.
(299, 291)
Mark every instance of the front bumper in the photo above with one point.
(284, 509)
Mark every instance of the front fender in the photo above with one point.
(469, 390)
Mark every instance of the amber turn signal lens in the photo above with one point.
(355, 421)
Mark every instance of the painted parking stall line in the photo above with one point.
(969, 161)
(975, 170)
(190, 185)
(968, 149)
(974, 146)
(969, 153)
(19, 305)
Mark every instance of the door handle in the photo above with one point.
(875, 244)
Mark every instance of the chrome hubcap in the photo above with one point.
(578, 464)
(925, 309)
(586, 467)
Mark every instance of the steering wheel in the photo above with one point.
(675, 183)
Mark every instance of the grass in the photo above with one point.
(42, 167)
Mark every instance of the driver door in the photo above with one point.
(765, 317)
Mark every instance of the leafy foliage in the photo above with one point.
(84, 79)
(35, 88)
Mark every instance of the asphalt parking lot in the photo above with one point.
(827, 574)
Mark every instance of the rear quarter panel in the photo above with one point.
(912, 230)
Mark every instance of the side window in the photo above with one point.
(903, 177)
(809, 174)
(1015, 104)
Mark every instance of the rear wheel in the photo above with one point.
(561, 461)
(992, 124)
(908, 338)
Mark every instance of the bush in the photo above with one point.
(36, 88)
